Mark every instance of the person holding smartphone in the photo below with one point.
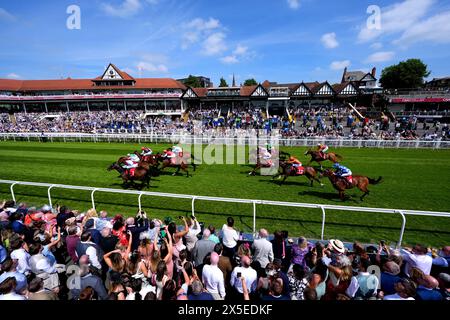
(246, 271)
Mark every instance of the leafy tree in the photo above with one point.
(192, 81)
(223, 83)
(406, 74)
(250, 82)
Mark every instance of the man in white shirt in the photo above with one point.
(213, 279)
(263, 250)
(417, 258)
(244, 271)
(229, 238)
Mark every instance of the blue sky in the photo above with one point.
(279, 40)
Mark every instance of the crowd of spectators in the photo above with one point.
(64, 254)
(335, 122)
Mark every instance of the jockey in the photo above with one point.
(296, 164)
(177, 150)
(323, 148)
(131, 164)
(266, 156)
(146, 151)
(343, 172)
(169, 154)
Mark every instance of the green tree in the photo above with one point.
(250, 82)
(406, 74)
(223, 83)
(192, 81)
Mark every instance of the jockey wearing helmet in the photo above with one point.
(296, 164)
(177, 150)
(146, 151)
(131, 163)
(343, 172)
(169, 154)
(323, 148)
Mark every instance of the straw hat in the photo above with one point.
(337, 245)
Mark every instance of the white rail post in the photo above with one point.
(92, 198)
(139, 202)
(403, 228)
(254, 218)
(12, 191)
(323, 222)
(193, 206)
(49, 196)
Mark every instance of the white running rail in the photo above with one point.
(322, 207)
(219, 139)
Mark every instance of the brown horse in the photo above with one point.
(261, 163)
(317, 157)
(288, 170)
(341, 184)
(150, 163)
(140, 174)
(179, 162)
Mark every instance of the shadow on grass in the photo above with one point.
(331, 196)
(277, 182)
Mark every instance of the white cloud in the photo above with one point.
(396, 18)
(240, 50)
(202, 25)
(239, 53)
(214, 44)
(153, 62)
(126, 9)
(329, 40)
(13, 75)
(339, 65)
(376, 46)
(435, 29)
(380, 56)
(199, 29)
(231, 59)
(6, 16)
(293, 4)
(151, 67)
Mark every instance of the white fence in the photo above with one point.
(213, 139)
(193, 198)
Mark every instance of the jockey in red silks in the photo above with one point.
(169, 154)
(131, 163)
(323, 148)
(296, 164)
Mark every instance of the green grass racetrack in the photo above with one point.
(415, 179)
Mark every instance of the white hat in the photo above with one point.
(337, 245)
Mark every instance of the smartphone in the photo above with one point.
(239, 274)
(382, 242)
(180, 217)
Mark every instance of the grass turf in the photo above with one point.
(413, 179)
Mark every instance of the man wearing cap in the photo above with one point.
(89, 226)
(263, 250)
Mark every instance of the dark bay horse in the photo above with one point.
(140, 174)
(341, 184)
(150, 163)
(288, 170)
(317, 157)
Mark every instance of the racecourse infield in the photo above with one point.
(414, 179)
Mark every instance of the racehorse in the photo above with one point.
(149, 162)
(341, 184)
(316, 156)
(179, 162)
(288, 170)
(140, 174)
(282, 156)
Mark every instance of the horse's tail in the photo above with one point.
(375, 181)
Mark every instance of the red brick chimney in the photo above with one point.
(374, 71)
(343, 75)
